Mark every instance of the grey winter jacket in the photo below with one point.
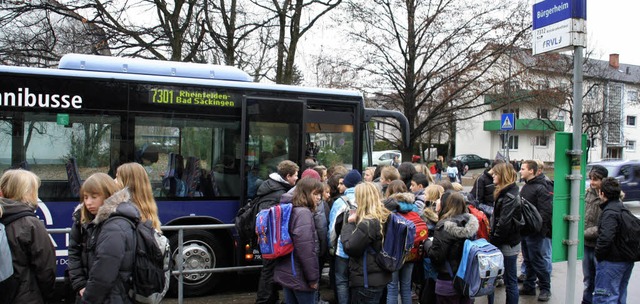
(34, 258)
(448, 242)
(592, 214)
(110, 251)
(305, 253)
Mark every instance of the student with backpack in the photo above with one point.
(445, 251)
(614, 265)
(268, 195)
(341, 206)
(452, 171)
(33, 256)
(362, 239)
(102, 242)
(505, 226)
(399, 200)
(299, 272)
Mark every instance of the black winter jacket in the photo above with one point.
(358, 240)
(608, 230)
(78, 260)
(483, 188)
(305, 253)
(33, 255)
(536, 191)
(448, 242)
(110, 249)
(270, 191)
(507, 218)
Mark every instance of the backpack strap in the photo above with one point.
(6, 220)
(348, 201)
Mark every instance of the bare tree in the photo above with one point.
(434, 57)
(290, 22)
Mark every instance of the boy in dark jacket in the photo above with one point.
(537, 193)
(613, 269)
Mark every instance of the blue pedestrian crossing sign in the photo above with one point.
(508, 122)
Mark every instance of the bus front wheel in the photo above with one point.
(201, 250)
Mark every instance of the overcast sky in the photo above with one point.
(613, 26)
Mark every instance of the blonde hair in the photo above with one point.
(424, 169)
(390, 173)
(134, 177)
(97, 183)
(433, 192)
(370, 204)
(457, 186)
(453, 206)
(21, 186)
(507, 176)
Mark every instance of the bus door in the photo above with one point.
(330, 134)
(272, 133)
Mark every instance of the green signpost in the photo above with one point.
(562, 196)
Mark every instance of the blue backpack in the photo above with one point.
(480, 265)
(272, 229)
(399, 234)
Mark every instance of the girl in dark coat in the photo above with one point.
(455, 226)
(362, 232)
(101, 245)
(505, 226)
(33, 255)
(300, 279)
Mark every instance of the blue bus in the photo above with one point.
(206, 134)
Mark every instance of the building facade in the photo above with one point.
(539, 94)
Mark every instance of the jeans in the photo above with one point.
(267, 289)
(438, 177)
(546, 253)
(342, 280)
(370, 295)
(299, 297)
(612, 279)
(402, 278)
(589, 271)
(510, 281)
(536, 263)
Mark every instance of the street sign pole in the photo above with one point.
(576, 155)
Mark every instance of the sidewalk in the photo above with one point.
(559, 287)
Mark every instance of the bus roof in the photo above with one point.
(166, 72)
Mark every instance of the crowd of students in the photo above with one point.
(101, 244)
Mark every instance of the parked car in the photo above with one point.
(627, 172)
(381, 158)
(472, 161)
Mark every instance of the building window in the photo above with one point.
(542, 141)
(631, 145)
(543, 113)
(516, 111)
(513, 141)
(633, 95)
(631, 121)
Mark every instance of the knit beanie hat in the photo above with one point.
(352, 178)
(599, 171)
(311, 173)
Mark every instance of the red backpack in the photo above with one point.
(483, 228)
(422, 232)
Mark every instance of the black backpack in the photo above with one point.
(530, 215)
(10, 285)
(245, 220)
(628, 240)
(151, 265)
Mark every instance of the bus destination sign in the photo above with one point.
(192, 97)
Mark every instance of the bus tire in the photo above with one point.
(201, 249)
